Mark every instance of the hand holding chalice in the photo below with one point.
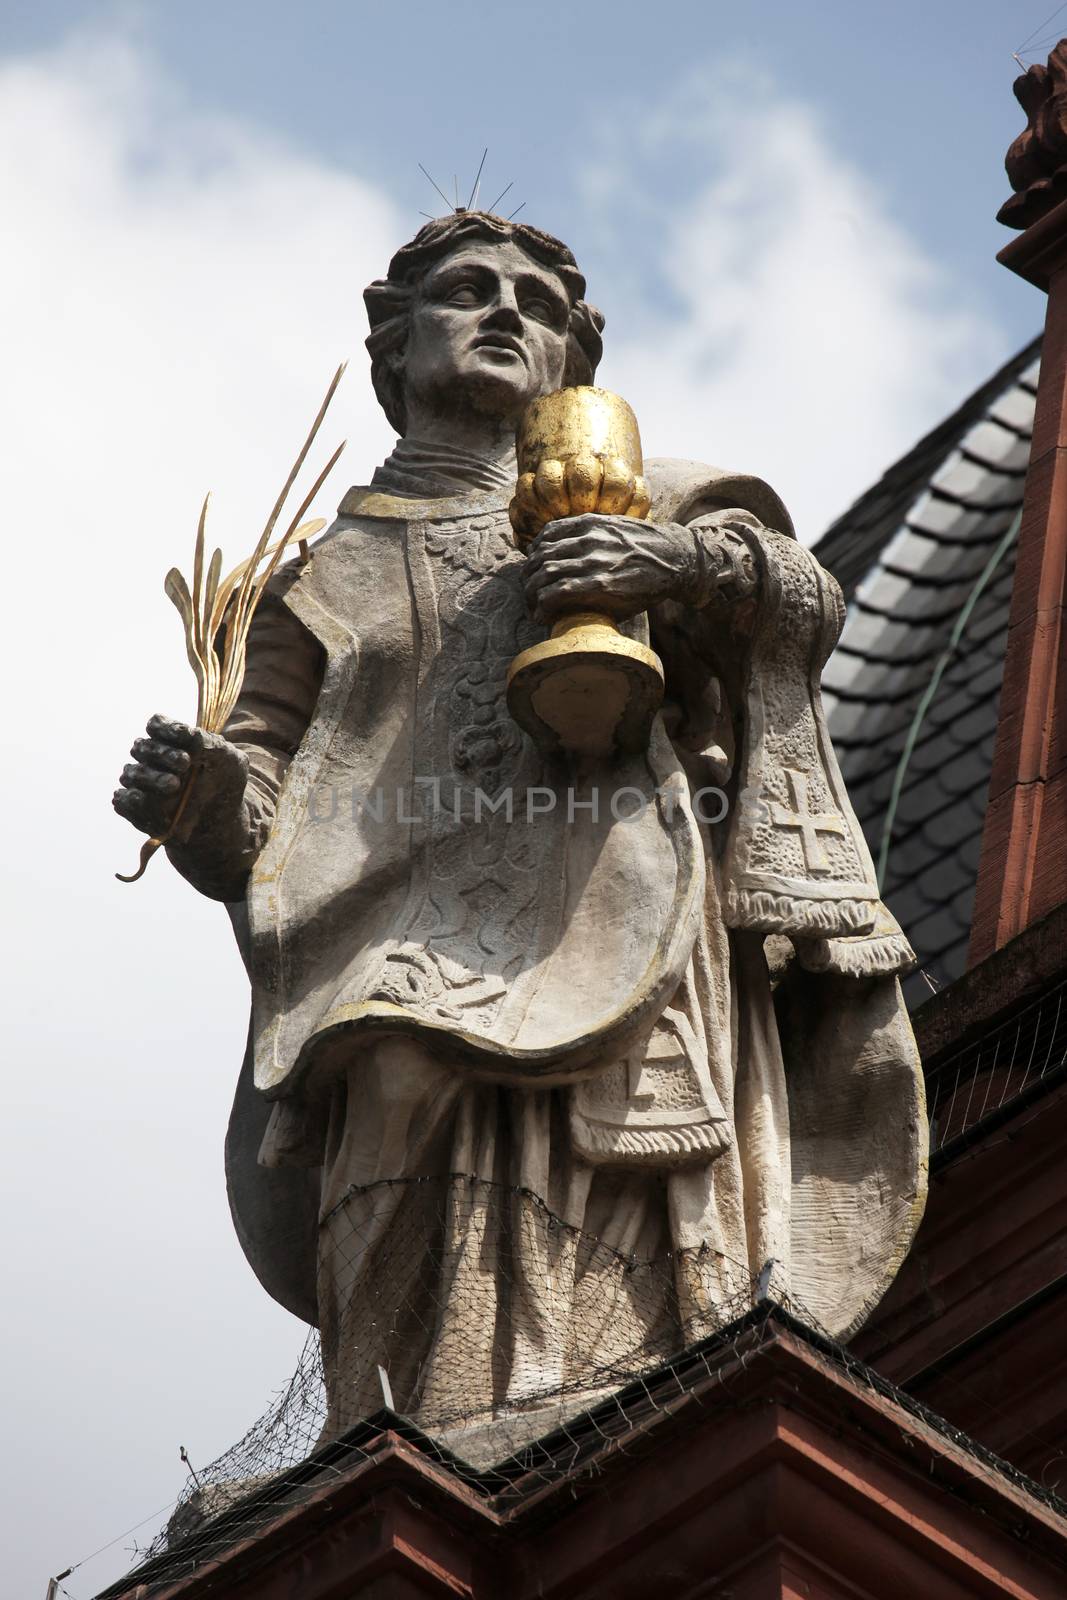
(588, 689)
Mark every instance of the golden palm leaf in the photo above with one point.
(225, 607)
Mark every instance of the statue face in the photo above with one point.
(489, 330)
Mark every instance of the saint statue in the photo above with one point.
(557, 1062)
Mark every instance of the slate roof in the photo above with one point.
(926, 559)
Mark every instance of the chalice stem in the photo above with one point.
(581, 619)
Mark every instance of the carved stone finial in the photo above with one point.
(1036, 162)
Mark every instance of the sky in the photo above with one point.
(787, 215)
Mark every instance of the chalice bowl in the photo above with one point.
(588, 689)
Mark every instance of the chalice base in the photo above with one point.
(587, 689)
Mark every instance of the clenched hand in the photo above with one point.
(618, 565)
(152, 784)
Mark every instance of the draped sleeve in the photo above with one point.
(744, 662)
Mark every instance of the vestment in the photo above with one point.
(561, 1120)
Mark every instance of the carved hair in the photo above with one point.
(389, 299)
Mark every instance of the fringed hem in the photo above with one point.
(603, 1145)
(881, 955)
(765, 912)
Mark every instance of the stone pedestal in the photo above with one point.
(760, 1465)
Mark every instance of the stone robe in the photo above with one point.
(524, 1096)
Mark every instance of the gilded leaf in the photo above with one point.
(227, 606)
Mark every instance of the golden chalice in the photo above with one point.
(587, 689)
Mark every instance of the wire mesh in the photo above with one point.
(483, 1306)
(995, 1075)
(509, 1345)
(473, 1309)
(561, 1428)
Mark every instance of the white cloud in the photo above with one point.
(176, 294)
(176, 290)
(809, 338)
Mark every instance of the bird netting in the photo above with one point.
(553, 1402)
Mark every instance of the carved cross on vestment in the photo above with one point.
(808, 824)
(664, 1049)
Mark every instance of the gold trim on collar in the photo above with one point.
(365, 502)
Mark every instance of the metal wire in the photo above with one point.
(703, 1375)
(926, 699)
(291, 1452)
(997, 1073)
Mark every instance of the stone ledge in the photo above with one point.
(1039, 252)
(766, 1465)
(1018, 972)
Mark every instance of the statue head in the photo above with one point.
(479, 314)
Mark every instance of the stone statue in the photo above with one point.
(556, 1062)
